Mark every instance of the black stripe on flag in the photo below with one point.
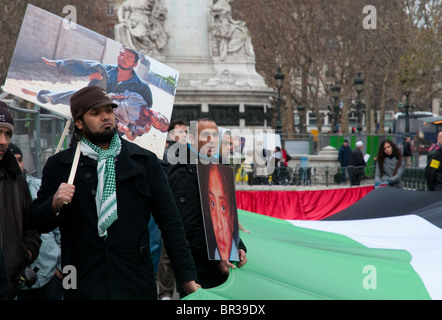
(390, 202)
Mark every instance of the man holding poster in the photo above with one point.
(183, 179)
(104, 213)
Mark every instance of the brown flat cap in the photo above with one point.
(89, 98)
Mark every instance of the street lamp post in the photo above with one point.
(407, 108)
(335, 91)
(359, 84)
(300, 112)
(407, 113)
(279, 79)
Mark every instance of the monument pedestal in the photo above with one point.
(215, 58)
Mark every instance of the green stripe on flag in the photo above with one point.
(289, 262)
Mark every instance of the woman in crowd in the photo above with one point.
(389, 165)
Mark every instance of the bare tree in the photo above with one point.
(306, 37)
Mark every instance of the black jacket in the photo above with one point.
(344, 155)
(17, 236)
(183, 180)
(4, 281)
(356, 158)
(407, 149)
(119, 267)
(433, 170)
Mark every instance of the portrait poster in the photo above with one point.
(53, 59)
(220, 216)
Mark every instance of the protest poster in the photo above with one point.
(218, 204)
(54, 58)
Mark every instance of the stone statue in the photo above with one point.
(141, 26)
(230, 38)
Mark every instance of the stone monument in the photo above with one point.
(212, 51)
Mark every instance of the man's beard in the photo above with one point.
(99, 137)
(126, 69)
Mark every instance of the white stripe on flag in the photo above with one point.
(420, 238)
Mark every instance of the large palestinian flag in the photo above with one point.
(388, 245)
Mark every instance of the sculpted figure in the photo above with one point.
(230, 37)
(141, 25)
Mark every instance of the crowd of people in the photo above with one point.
(390, 163)
(123, 199)
(103, 217)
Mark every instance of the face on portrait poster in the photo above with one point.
(54, 59)
(218, 203)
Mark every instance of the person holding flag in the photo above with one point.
(183, 179)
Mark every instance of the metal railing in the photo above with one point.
(412, 178)
(36, 133)
(305, 176)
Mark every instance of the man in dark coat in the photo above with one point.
(176, 137)
(407, 151)
(183, 180)
(344, 159)
(4, 281)
(433, 170)
(104, 215)
(19, 242)
(357, 165)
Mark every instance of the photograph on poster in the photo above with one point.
(218, 203)
(52, 61)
